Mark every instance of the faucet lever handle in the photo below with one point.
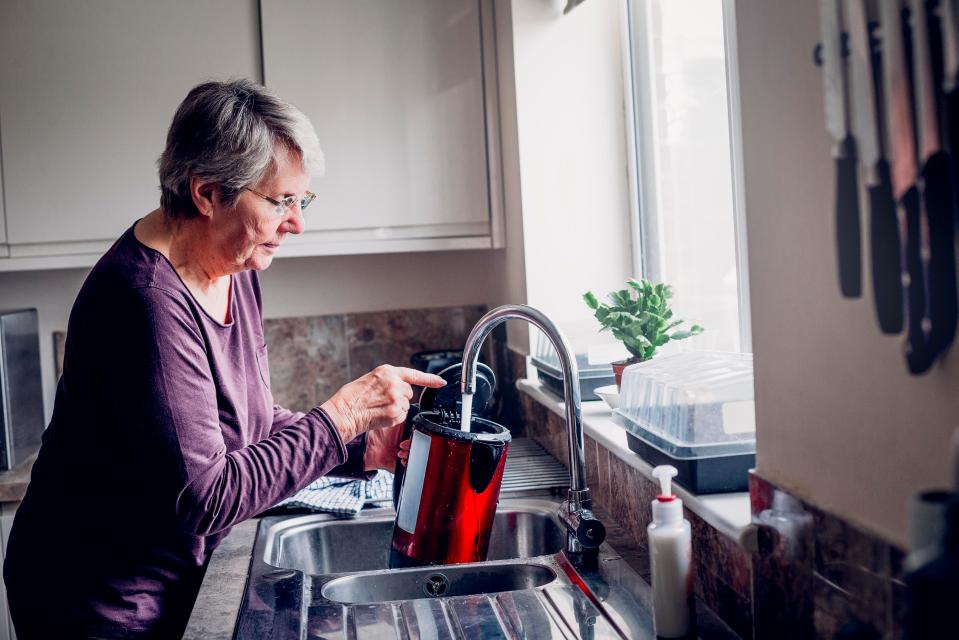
(589, 530)
(582, 525)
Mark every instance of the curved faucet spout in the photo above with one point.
(538, 319)
(584, 532)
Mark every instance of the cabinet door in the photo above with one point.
(87, 92)
(395, 91)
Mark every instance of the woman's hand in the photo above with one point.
(383, 447)
(377, 400)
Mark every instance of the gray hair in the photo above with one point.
(227, 133)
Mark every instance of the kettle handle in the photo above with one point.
(399, 473)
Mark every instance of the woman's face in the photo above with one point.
(247, 234)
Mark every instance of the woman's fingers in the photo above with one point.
(382, 448)
(420, 378)
(404, 451)
(379, 399)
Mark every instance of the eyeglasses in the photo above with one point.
(286, 204)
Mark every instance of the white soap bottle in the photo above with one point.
(670, 556)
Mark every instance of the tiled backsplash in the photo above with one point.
(817, 574)
(311, 357)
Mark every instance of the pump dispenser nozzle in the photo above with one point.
(667, 508)
(665, 474)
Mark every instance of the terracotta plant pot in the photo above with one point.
(618, 369)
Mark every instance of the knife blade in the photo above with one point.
(936, 184)
(865, 76)
(901, 149)
(849, 252)
(863, 110)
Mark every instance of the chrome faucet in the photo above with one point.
(584, 532)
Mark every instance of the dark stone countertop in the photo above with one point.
(218, 603)
(13, 483)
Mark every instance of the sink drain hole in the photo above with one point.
(436, 585)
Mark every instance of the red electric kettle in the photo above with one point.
(446, 496)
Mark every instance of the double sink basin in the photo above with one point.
(316, 576)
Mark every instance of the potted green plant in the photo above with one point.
(639, 317)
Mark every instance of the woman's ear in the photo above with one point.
(203, 194)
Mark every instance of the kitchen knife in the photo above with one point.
(849, 252)
(950, 80)
(937, 185)
(903, 173)
(883, 224)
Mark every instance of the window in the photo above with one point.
(690, 231)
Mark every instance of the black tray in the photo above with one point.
(591, 377)
(721, 468)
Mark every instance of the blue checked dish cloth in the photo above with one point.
(342, 496)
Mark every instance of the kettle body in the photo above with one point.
(448, 494)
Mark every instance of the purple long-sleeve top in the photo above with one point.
(164, 435)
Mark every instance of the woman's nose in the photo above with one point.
(295, 222)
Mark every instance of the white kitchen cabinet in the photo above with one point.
(403, 94)
(87, 92)
(403, 97)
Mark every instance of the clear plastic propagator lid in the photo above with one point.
(692, 399)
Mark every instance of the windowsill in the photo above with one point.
(728, 513)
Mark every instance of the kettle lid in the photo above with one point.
(450, 399)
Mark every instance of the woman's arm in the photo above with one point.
(355, 465)
(165, 392)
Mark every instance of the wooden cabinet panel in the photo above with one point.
(87, 91)
(395, 90)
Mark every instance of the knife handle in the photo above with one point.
(919, 356)
(940, 199)
(849, 250)
(951, 126)
(886, 253)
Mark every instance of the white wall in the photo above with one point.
(353, 284)
(52, 294)
(839, 419)
(291, 287)
(508, 270)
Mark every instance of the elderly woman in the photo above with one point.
(164, 432)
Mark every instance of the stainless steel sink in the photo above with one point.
(448, 582)
(318, 577)
(317, 545)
